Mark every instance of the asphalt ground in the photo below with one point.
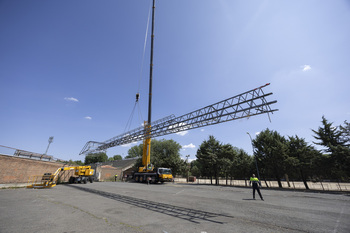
(169, 208)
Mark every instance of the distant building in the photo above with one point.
(107, 170)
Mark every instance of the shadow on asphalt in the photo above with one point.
(188, 214)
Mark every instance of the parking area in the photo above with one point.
(168, 208)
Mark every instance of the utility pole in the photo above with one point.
(188, 168)
(256, 163)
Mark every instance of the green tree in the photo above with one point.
(96, 157)
(336, 142)
(301, 156)
(135, 151)
(115, 157)
(242, 165)
(271, 152)
(226, 157)
(195, 171)
(345, 133)
(71, 162)
(79, 162)
(207, 155)
(164, 153)
(328, 135)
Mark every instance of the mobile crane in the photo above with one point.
(49, 180)
(148, 172)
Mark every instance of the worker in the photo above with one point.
(115, 177)
(256, 186)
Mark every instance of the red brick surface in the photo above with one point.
(19, 170)
(109, 172)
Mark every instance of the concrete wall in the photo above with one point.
(19, 170)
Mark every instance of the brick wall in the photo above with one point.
(108, 173)
(19, 170)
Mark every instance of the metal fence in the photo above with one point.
(291, 185)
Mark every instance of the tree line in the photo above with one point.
(275, 156)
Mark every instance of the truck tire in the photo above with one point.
(71, 180)
(91, 180)
(84, 180)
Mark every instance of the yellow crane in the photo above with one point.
(83, 174)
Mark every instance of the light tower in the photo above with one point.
(50, 141)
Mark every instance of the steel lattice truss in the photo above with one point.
(247, 104)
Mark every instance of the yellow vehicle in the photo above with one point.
(48, 180)
(148, 173)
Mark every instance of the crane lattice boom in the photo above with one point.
(247, 104)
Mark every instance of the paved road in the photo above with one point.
(132, 207)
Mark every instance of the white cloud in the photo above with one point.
(183, 133)
(129, 144)
(72, 99)
(306, 67)
(88, 118)
(257, 133)
(189, 159)
(190, 146)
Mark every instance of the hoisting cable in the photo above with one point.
(128, 124)
(144, 47)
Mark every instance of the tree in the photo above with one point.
(226, 158)
(336, 141)
(301, 156)
(79, 162)
(135, 151)
(115, 157)
(96, 157)
(345, 133)
(164, 153)
(71, 162)
(271, 151)
(328, 135)
(195, 168)
(207, 156)
(242, 165)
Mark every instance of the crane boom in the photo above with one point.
(245, 105)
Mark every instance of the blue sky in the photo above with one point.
(71, 69)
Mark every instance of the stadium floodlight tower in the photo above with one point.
(50, 141)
